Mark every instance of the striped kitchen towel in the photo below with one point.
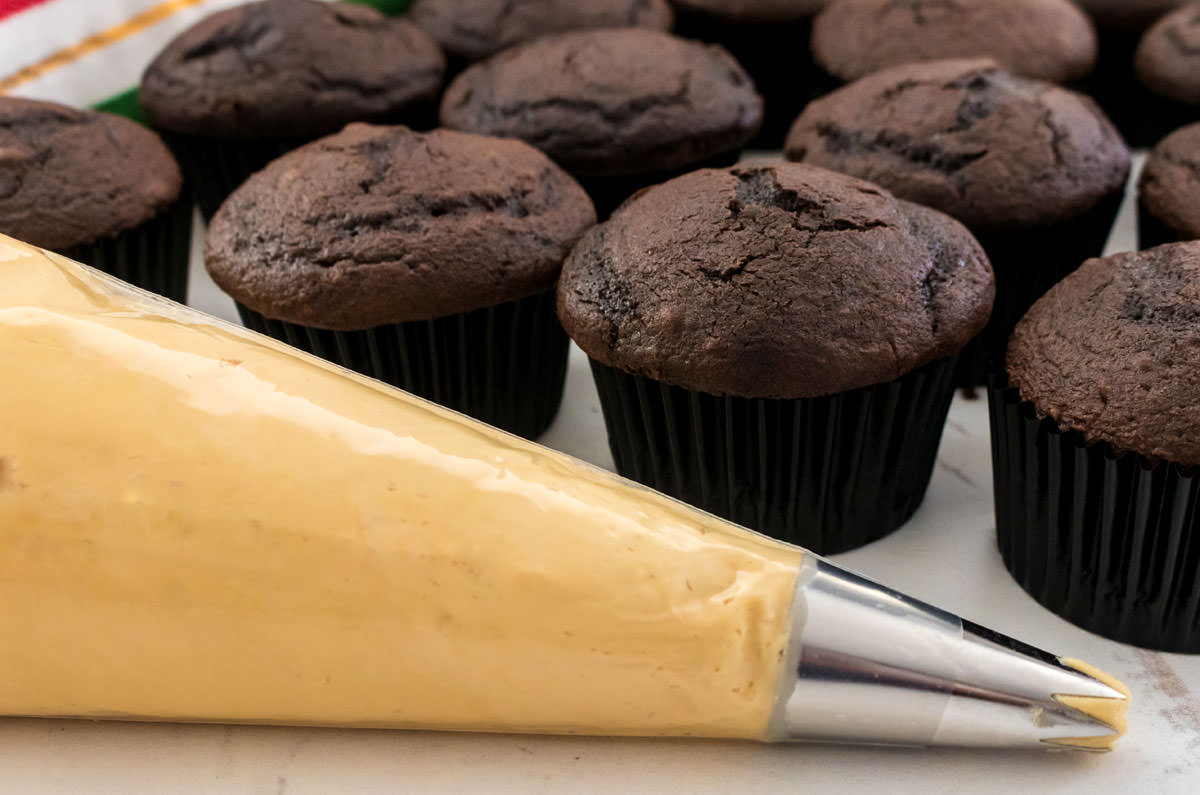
(91, 53)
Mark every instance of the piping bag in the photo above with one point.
(201, 524)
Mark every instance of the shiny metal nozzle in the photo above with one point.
(871, 665)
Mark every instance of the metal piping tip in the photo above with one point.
(872, 665)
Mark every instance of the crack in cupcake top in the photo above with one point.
(69, 177)
(290, 68)
(1113, 351)
(475, 29)
(610, 102)
(380, 225)
(1046, 39)
(773, 280)
(964, 136)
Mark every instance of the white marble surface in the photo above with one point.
(945, 555)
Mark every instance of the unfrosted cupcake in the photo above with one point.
(618, 109)
(246, 84)
(1045, 39)
(1169, 190)
(1036, 172)
(95, 187)
(775, 343)
(1168, 64)
(471, 30)
(1096, 448)
(427, 260)
(770, 38)
(1119, 26)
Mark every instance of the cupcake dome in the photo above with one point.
(70, 177)
(471, 30)
(1047, 39)
(1113, 352)
(290, 69)
(610, 102)
(380, 225)
(773, 281)
(966, 137)
(1169, 191)
(1168, 58)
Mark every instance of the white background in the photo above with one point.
(946, 555)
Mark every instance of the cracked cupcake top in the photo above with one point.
(610, 101)
(1168, 57)
(1046, 39)
(475, 29)
(994, 150)
(773, 280)
(1170, 184)
(69, 177)
(379, 225)
(1113, 351)
(290, 68)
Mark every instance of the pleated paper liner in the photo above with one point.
(779, 60)
(214, 168)
(830, 473)
(1153, 232)
(153, 255)
(608, 192)
(504, 365)
(1108, 541)
(1028, 262)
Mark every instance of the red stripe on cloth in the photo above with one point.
(10, 7)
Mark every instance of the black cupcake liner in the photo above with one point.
(153, 255)
(608, 192)
(829, 474)
(214, 168)
(1028, 262)
(1108, 541)
(1153, 232)
(504, 365)
(778, 58)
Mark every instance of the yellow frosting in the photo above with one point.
(201, 524)
(1110, 711)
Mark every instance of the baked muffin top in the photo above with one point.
(754, 10)
(474, 29)
(379, 225)
(70, 177)
(1113, 351)
(1132, 15)
(773, 280)
(1170, 182)
(1046, 39)
(1168, 57)
(290, 68)
(607, 102)
(966, 137)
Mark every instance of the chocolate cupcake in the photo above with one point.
(1119, 26)
(775, 343)
(1044, 39)
(471, 30)
(619, 109)
(426, 260)
(95, 187)
(1096, 448)
(1168, 64)
(1169, 190)
(770, 39)
(1036, 172)
(247, 84)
